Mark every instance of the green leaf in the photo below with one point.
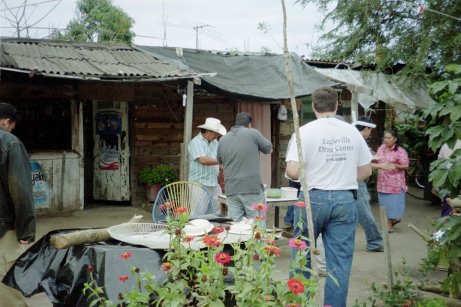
(455, 173)
(454, 68)
(453, 87)
(438, 86)
(455, 113)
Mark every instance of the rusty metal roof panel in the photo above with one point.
(85, 59)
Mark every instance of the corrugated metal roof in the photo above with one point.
(104, 61)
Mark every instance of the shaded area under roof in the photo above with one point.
(370, 87)
(260, 76)
(85, 60)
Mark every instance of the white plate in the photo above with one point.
(198, 227)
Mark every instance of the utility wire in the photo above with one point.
(30, 4)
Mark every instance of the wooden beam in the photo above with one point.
(184, 164)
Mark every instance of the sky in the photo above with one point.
(222, 25)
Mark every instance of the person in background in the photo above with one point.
(335, 157)
(374, 239)
(17, 211)
(238, 152)
(203, 163)
(445, 153)
(392, 163)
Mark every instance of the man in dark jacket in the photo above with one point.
(17, 212)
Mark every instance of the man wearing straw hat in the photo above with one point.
(203, 165)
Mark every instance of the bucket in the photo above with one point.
(289, 192)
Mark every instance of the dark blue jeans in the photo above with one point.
(334, 215)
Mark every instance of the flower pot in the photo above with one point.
(152, 191)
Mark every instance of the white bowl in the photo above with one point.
(198, 227)
(241, 229)
(289, 192)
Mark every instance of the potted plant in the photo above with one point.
(156, 177)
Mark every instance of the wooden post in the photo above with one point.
(387, 246)
(184, 164)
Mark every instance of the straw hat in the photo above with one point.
(213, 124)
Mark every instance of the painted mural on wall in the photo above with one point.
(40, 186)
(109, 129)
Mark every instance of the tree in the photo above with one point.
(100, 21)
(384, 33)
(444, 119)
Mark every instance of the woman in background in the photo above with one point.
(393, 161)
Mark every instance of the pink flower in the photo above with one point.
(167, 205)
(222, 258)
(259, 207)
(260, 217)
(123, 278)
(188, 238)
(300, 204)
(297, 243)
(125, 255)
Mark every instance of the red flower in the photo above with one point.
(125, 255)
(300, 204)
(222, 258)
(180, 210)
(90, 268)
(260, 217)
(166, 267)
(295, 286)
(255, 257)
(272, 250)
(217, 229)
(123, 278)
(211, 241)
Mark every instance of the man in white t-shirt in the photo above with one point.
(335, 157)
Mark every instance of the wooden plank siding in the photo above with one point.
(157, 128)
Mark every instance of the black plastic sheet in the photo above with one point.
(61, 273)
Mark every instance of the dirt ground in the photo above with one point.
(367, 267)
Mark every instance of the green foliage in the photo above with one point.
(162, 174)
(444, 120)
(98, 21)
(446, 250)
(385, 33)
(404, 293)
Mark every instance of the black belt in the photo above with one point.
(354, 192)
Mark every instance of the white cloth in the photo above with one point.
(445, 152)
(332, 151)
